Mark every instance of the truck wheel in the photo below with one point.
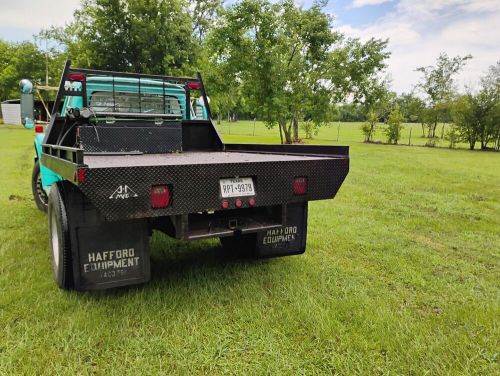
(39, 193)
(243, 245)
(59, 239)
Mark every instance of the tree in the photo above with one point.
(289, 62)
(204, 14)
(487, 103)
(482, 105)
(377, 107)
(310, 128)
(351, 112)
(464, 119)
(369, 127)
(477, 114)
(153, 36)
(317, 114)
(413, 109)
(438, 85)
(394, 125)
(17, 61)
(452, 135)
(225, 93)
(495, 126)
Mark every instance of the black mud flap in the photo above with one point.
(105, 254)
(289, 239)
(111, 254)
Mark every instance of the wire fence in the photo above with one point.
(340, 132)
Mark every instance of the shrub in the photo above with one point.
(452, 135)
(394, 126)
(432, 142)
(370, 126)
(310, 128)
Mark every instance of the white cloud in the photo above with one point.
(480, 5)
(34, 15)
(362, 3)
(419, 30)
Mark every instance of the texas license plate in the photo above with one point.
(237, 187)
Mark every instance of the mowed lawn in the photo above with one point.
(344, 132)
(401, 276)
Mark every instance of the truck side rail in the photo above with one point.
(306, 150)
(63, 159)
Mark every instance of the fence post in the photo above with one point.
(409, 139)
(254, 126)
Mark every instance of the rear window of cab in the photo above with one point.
(127, 102)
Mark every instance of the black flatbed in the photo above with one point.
(190, 158)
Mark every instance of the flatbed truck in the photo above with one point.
(125, 154)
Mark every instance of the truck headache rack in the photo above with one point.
(74, 83)
(99, 111)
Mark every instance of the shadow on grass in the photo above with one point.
(179, 259)
(197, 264)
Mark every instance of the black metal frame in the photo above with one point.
(66, 160)
(185, 81)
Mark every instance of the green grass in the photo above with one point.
(401, 276)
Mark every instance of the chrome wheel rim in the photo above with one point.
(54, 239)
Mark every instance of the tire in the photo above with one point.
(59, 236)
(39, 194)
(243, 245)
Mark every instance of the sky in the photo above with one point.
(418, 30)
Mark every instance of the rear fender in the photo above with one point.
(49, 177)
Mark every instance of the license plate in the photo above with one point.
(237, 187)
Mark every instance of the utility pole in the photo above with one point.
(46, 63)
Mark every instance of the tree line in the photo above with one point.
(277, 61)
(473, 115)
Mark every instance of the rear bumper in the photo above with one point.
(195, 187)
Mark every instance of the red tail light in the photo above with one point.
(76, 77)
(160, 196)
(194, 85)
(81, 175)
(300, 186)
(38, 128)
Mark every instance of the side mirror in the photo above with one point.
(28, 123)
(27, 103)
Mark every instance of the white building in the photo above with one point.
(11, 112)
